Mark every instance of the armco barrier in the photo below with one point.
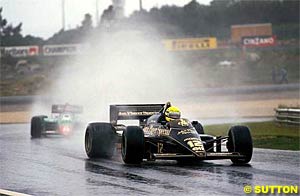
(288, 116)
(22, 99)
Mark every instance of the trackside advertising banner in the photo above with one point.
(19, 51)
(259, 41)
(190, 44)
(64, 49)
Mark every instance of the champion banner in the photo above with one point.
(64, 49)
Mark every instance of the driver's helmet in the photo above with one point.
(172, 113)
(66, 116)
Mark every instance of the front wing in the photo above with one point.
(182, 152)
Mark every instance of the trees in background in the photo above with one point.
(8, 33)
(73, 35)
(11, 35)
(215, 19)
(191, 20)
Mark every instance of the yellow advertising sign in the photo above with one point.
(190, 44)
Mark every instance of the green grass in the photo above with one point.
(265, 134)
(28, 85)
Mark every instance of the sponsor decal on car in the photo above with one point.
(160, 147)
(156, 131)
(183, 122)
(186, 131)
(195, 144)
(136, 113)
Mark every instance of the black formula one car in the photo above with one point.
(61, 122)
(155, 138)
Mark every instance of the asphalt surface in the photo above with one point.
(59, 166)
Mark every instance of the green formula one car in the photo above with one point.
(155, 138)
(62, 121)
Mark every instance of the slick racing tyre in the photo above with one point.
(133, 145)
(240, 140)
(37, 126)
(198, 127)
(100, 139)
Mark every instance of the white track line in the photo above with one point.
(11, 193)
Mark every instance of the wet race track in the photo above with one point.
(59, 166)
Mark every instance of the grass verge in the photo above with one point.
(265, 134)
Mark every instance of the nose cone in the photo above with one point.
(190, 140)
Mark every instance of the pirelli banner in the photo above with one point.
(259, 41)
(190, 44)
(19, 51)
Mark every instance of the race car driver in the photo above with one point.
(172, 113)
(168, 113)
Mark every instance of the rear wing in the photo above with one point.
(133, 112)
(60, 108)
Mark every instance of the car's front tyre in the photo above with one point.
(133, 145)
(240, 140)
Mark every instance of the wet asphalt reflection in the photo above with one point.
(59, 166)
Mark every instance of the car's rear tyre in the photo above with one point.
(100, 139)
(133, 145)
(198, 127)
(37, 126)
(240, 140)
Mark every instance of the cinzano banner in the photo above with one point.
(259, 41)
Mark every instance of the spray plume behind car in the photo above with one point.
(119, 67)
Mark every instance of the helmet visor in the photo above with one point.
(174, 115)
